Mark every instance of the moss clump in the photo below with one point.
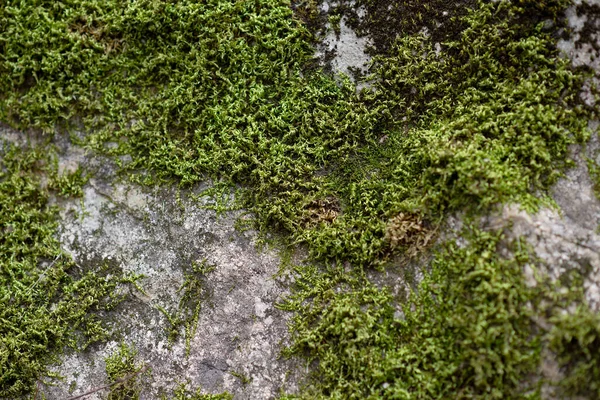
(575, 338)
(183, 393)
(244, 379)
(68, 184)
(486, 120)
(46, 302)
(123, 370)
(466, 333)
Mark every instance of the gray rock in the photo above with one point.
(158, 235)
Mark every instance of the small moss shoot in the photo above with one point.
(183, 393)
(335, 20)
(194, 292)
(122, 369)
(243, 377)
(594, 171)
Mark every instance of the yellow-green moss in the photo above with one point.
(219, 90)
(46, 301)
(123, 372)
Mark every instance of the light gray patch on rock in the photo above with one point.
(348, 49)
(576, 22)
(11, 135)
(562, 245)
(139, 231)
(575, 192)
(582, 46)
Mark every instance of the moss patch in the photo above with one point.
(466, 333)
(46, 301)
(183, 393)
(576, 339)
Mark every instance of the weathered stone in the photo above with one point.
(158, 235)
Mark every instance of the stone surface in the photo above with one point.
(344, 51)
(158, 234)
(240, 331)
(562, 245)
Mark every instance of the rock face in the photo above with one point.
(345, 49)
(240, 333)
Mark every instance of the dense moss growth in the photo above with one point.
(46, 301)
(216, 90)
(221, 89)
(486, 120)
(466, 333)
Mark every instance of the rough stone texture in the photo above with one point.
(582, 47)
(155, 234)
(583, 44)
(344, 51)
(569, 239)
(574, 193)
(562, 244)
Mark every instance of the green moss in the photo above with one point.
(594, 171)
(244, 379)
(122, 370)
(487, 121)
(69, 183)
(221, 90)
(183, 393)
(466, 332)
(575, 338)
(218, 91)
(334, 20)
(46, 301)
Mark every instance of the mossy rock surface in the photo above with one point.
(413, 245)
